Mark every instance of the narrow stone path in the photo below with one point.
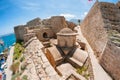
(9, 63)
(98, 71)
(42, 67)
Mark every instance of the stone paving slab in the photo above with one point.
(43, 68)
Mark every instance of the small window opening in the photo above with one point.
(45, 35)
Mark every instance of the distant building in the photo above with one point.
(43, 29)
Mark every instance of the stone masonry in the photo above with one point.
(43, 68)
(101, 27)
(52, 25)
(110, 60)
(93, 29)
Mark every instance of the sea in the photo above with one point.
(9, 40)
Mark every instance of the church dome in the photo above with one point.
(66, 31)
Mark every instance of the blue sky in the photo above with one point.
(17, 12)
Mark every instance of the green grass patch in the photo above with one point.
(23, 66)
(15, 67)
(18, 50)
(17, 59)
(22, 59)
(25, 77)
(15, 76)
(83, 71)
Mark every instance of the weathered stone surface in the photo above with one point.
(93, 29)
(28, 36)
(44, 59)
(110, 60)
(66, 38)
(44, 34)
(19, 32)
(58, 23)
(34, 22)
(40, 27)
(50, 71)
(46, 22)
(101, 27)
(53, 55)
(71, 25)
(40, 63)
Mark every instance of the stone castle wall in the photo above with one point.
(54, 25)
(19, 32)
(101, 28)
(111, 16)
(34, 22)
(58, 23)
(71, 25)
(28, 36)
(93, 29)
(44, 34)
(110, 60)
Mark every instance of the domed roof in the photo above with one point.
(66, 31)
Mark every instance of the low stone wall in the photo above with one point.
(29, 36)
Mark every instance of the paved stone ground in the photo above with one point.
(98, 71)
(38, 63)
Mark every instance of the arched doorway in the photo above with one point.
(45, 35)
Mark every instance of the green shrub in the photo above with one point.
(24, 77)
(15, 67)
(81, 70)
(20, 42)
(17, 51)
(15, 76)
(16, 56)
(23, 67)
(86, 76)
(22, 59)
